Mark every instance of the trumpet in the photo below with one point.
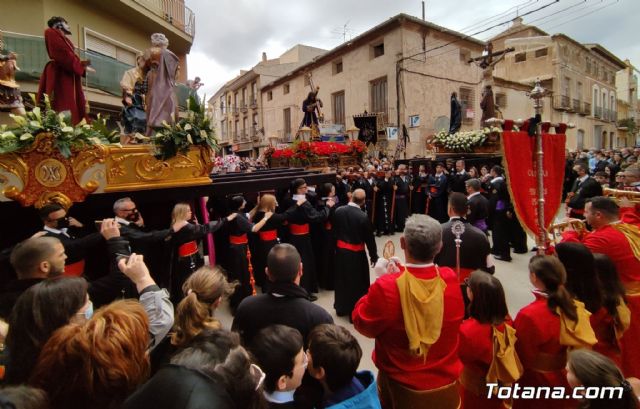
(617, 194)
(556, 230)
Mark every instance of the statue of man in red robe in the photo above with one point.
(61, 78)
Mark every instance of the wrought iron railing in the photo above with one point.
(174, 12)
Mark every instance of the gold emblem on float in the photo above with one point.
(50, 172)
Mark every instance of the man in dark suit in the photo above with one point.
(505, 224)
(366, 182)
(69, 231)
(285, 302)
(457, 179)
(474, 249)
(584, 187)
(474, 246)
(353, 230)
(478, 205)
(149, 243)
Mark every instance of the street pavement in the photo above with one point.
(514, 276)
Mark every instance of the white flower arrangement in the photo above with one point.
(464, 141)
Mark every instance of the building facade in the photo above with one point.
(237, 108)
(424, 61)
(582, 78)
(109, 33)
(628, 118)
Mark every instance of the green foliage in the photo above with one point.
(630, 124)
(67, 136)
(194, 129)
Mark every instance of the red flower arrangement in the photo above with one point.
(309, 150)
(357, 147)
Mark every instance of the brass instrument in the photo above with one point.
(617, 194)
(557, 229)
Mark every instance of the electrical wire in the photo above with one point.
(583, 15)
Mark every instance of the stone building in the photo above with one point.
(425, 61)
(582, 78)
(109, 33)
(237, 107)
(628, 118)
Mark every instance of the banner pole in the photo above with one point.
(537, 94)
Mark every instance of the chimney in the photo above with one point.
(517, 22)
(264, 56)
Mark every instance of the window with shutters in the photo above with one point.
(337, 67)
(338, 108)
(287, 122)
(100, 44)
(467, 102)
(501, 100)
(521, 57)
(377, 50)
(269, 95)
(285, 88)
(379, 96)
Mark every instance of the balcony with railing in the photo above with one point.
(576, 105)
(597, 112)
(32, 57)
(586, 108)
(562, 102)
(254, 102)
(174, 12)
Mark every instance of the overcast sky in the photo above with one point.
(232, 34)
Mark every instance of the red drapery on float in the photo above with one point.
(521, 168)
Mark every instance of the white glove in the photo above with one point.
(384, 266)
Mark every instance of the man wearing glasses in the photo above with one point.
(145, 242)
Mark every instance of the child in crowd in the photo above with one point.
(589, 369)
(487, 341)
(278, 350)
(334, 356)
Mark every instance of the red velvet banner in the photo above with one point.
(519, 150)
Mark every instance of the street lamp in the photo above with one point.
(305, 133)
(353, 133)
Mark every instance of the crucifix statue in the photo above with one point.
(487, 61)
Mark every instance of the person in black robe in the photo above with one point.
(267, 236)
(384, 198)
(323, 238)
(366, 182)
(420, 191)
(343, 189)
(499, 204)
(456, 114)
(458, 177)
(353, 230)
(402, 188)
(478, 205)
(185, 254)
(438, 194)
(300, 213)
(238, 262)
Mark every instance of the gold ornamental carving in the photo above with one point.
(50, 172)
(47, 176)
(135, 168)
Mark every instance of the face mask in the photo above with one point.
(88, 313)
(63, 223)
(133, 217)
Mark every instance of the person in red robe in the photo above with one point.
(616, 233)
(62, 76)
(480, 350)
(546, 329)
(415, 317)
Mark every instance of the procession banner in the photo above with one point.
(521, 170)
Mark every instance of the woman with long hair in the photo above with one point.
(38, 313)
(480, 342)
(203, 292)
(184, 238)
(614, 303)
(584, 284)
(589, 369)
(239, 260)
(546, 328)
(267, 235)
(99, 364)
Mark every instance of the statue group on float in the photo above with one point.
(148, 89)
